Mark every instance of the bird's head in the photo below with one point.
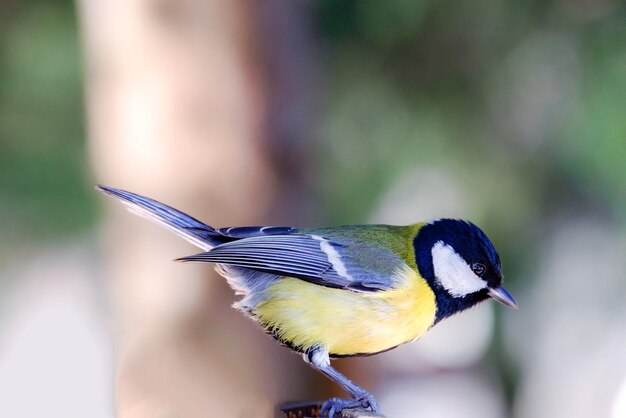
(460, 264)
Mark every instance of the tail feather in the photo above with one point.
(184, 225)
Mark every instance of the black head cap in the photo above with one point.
(459, 262)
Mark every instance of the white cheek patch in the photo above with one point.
(453, 273)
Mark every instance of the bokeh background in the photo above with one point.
(509, 113)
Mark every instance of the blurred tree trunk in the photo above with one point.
(179, 109)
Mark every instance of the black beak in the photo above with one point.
(501, 295)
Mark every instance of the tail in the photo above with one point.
(184, 225)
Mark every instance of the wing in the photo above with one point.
(325, 261)
(355, 257)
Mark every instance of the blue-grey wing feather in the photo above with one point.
(286, 255)
(239, 232)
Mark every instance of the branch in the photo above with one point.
(312, 410)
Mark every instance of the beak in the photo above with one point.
(501, 295)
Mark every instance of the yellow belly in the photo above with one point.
(347, 322)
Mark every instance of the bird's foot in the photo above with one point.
(334, 406)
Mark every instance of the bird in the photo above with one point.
(343, 291)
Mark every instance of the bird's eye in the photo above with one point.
(478, 269)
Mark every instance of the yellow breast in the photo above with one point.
(347, 322)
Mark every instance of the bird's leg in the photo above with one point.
(319, 359)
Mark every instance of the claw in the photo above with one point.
(368, 401)
(334, 406)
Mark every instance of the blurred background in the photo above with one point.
(509, 113)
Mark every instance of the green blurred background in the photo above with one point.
(512, 114)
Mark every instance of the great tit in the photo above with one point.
(343, 291)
